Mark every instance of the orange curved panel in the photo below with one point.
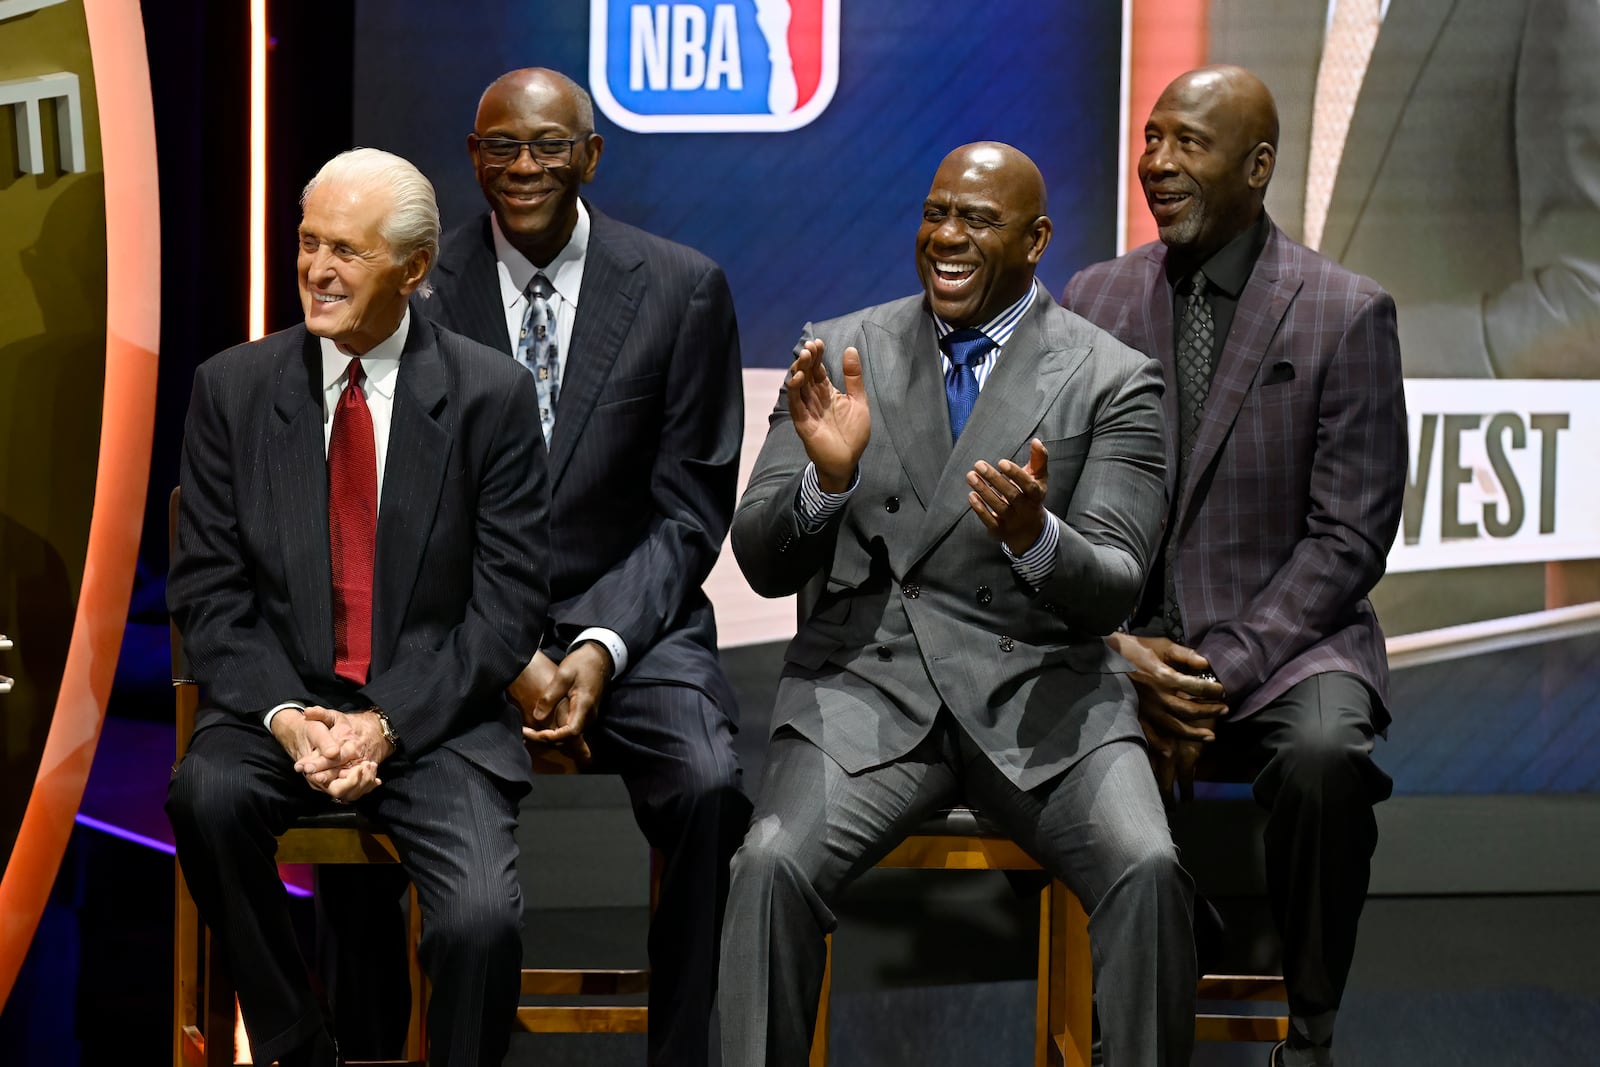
(133, 297)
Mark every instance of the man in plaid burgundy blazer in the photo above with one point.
(1280, 516)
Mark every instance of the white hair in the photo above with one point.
(412, 222)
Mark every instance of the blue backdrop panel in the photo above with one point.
(810, 223)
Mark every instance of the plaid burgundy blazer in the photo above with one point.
(1292, 496)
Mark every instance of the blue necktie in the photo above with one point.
(538, 350)
(965, 349)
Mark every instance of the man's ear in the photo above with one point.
(1039, 238)
(416, 270)
(594, 145)
(1262, 161)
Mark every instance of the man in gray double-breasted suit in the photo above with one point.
(954, 596)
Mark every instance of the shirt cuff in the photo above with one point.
(813, 507)
(266, 720)
(1037, 564)
(611, 641)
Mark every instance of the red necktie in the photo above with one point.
(352, 528)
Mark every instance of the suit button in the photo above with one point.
(892, 505)
(1006, 644)
(786, 543)
(912, 590)
(884, 653)
(985, 594)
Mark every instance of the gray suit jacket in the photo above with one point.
(911, 605)
(1469, 186)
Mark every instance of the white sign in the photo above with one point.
(24, 96)
(1500, 472)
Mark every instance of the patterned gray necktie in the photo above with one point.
(1196, 347)
(539, 351)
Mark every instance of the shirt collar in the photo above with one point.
(381, 365)
(565, 271)
(1000, 328)
(1229, 267)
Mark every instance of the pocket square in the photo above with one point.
(1281, 371)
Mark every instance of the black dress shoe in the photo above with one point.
(1275, 1057)
(320, 1051)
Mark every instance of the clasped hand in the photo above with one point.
(558, 699)
(337, 752)
(1178, 707)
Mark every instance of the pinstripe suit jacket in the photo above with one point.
(912, 604)
(1291, 497)
(458, 581)
(644, 460)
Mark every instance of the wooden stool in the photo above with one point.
(961, 839)
(573, 983)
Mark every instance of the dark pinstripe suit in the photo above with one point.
(644, 462)
(458, 602)
(1286, 510)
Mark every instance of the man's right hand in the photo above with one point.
(309, 743)
(833, 426)
(1174, 702)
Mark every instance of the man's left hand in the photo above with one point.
(561, 708)
(362, 747)
(1009, 500)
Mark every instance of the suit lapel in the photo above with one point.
(1152, 335)
(419, 450)
(900, 364)
(1404, 44)
(1034, 367)
(469, 289)
(1262, 306)
(613, 287)
(297, 471)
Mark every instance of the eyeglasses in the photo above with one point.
(549, 152)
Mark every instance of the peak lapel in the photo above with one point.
(297, 470)
(1265, 300)
(1404, 43)
(1034, 367)
(469, 289)
(900, 363)
(613, 286)
(419, 451)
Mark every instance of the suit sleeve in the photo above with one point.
(1113, 523)
(1546, 323)
(1357, 487)
(693, 478)
(775, 551)
(233, 652)
(435, 695)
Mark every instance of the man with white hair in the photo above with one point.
(359, 574)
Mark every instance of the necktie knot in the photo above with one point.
(966, 347)
(1197, 285)
(539, 287)
(355, 374)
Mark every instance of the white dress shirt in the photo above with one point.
(565, 273)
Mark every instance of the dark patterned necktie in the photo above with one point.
(352, 528)
(965, 350)
(539, 351)
(1196, 348)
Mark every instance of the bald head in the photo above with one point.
(533, 188)
(543, 85)
(984, 229)
(1209, 150)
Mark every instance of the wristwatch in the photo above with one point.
(386, 726)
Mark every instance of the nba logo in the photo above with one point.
(713, 66)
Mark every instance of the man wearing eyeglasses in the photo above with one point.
(632, 343)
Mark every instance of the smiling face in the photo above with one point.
(983, 232)
(351, 289)
(537, 205)
(1207, 159)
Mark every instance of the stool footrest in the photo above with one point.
(1241, 1027)
(582, 1020)
(584, 982)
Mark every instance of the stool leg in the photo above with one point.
(416, 1030)
(819, 1036)
(1066, 980)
